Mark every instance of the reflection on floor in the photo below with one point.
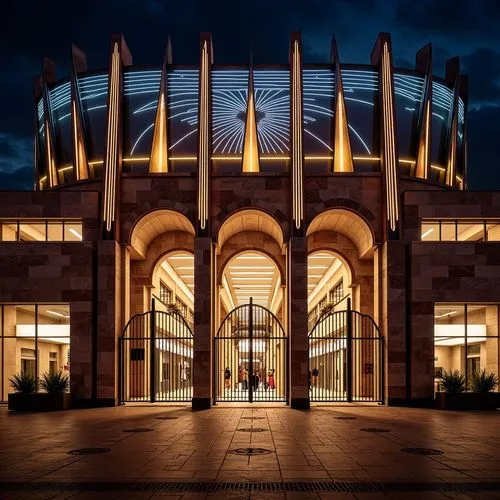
(323, 394)
(179, 394)
(260, 394)
(320, 445)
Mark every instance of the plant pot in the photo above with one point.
(39, 401)
(468, 401)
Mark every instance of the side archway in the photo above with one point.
(153, 224)
(250, 220)
(346, 222)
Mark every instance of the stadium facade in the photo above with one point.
(290, 233)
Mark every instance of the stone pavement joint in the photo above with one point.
(311, 454)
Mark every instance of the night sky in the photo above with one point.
(32, 29)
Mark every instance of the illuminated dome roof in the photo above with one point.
(79, 107)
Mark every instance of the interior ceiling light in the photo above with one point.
(450, 313)
(75, 233)
(429, 231)
(55, 313)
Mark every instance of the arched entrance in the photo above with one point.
(346, 357)
(250, 356)
(156, 358)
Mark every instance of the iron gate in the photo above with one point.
(346, 353)
(250, 356)
(156, 358)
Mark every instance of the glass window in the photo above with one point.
(448, 231)
(493, 231)
(32, 231)
(33, 339)
(9, 231)
(482, 339)
(165, 293)
(94, 94)
(182, 93)
(53, 338)
(408, 92)
(449, 340)
(319, 93)
(429, 231)
(72, 231)
(361, 87)
(470, 231)
(466, 338)
(55, 231)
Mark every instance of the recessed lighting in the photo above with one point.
(55, 313)
(75, 233)
(429, 231)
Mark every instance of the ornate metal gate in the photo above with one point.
(346, 353)
(250, 357)
(156, 358)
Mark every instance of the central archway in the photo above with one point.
(250, 357)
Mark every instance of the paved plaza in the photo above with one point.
(341, 452)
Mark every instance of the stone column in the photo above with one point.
(125, 285)
(202, 348)
(297, 323)
(109, 321)
(392, 276)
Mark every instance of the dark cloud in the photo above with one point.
(15, 152)
(483, 144)
(483, 68)
(20, 179)
(451, 17)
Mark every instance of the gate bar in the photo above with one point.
(152, 327)
(349, 351)
(250, 352)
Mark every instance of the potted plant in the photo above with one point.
(56, 395)
(480, 396)
(452, 385)
(482, 385)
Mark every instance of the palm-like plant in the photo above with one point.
(54, 382)
(453, 381)
(326, 309)
(24, 382)
(483, 381)
(173, 308)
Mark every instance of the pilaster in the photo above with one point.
(297, 323)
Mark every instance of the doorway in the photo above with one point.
(250, 354)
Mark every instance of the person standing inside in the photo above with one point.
(271, 382)
(245, 379)
(227, 378)
(315, 375)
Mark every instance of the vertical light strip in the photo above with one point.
(203, 141)
(341, 120)
(298, 208)
(52, 178)
(450, 171)
(75, 142)
(427, 138)
(162, 145)
(51, 162)
(389, 144)
(111, 166)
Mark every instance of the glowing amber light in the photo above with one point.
(250, 148)
(298, 202)
(203, 153)
(389, 146)
(111, 163)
